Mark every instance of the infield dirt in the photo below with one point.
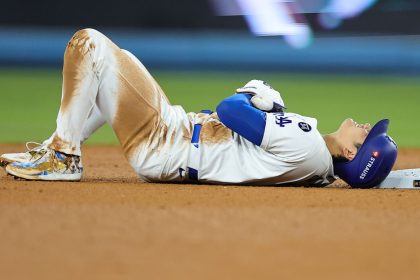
(113, 226)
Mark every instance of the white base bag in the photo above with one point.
(402, 179)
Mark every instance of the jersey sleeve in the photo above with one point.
(237, 113)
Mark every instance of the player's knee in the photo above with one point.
(86, 34)
(91, 33)
(85, 40)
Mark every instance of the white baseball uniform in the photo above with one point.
(103, 83)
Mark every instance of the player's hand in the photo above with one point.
(264, 96)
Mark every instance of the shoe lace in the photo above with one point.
(35, 148)
(35, 145)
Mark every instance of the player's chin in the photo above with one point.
(347, 123)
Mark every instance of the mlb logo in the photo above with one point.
(375, 154)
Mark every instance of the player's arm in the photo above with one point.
(244, 112)
(238, 114)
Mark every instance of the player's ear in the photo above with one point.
(349, 153)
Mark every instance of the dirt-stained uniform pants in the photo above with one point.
(103, 83)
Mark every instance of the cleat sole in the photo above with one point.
(48, 177)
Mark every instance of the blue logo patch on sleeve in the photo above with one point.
(305, 126)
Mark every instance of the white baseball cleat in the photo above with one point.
(45, 164)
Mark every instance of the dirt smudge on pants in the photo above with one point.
(74, 61)
(137, 118)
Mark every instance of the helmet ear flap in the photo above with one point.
(374, 160)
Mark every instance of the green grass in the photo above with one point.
(30, 100)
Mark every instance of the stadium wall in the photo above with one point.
(224, 50)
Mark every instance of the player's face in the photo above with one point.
(353, 136)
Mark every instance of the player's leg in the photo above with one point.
(124, 93)
(60, 154)
(117, 86)
(94, 121)
(99, 75)
(76, 79)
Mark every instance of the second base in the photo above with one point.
(402, 179)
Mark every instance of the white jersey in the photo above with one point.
(292, 151)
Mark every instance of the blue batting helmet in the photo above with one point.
(374, 160)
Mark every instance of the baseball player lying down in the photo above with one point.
(249, 140)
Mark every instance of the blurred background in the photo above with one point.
(330, 59)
